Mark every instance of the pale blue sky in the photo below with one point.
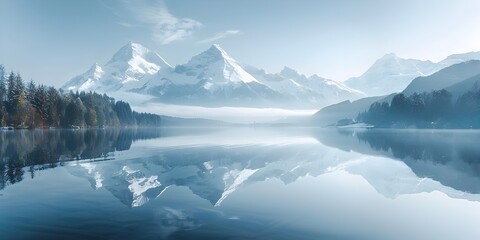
(54, 40)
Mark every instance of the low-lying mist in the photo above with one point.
(228, 114)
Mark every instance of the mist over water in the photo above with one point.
(242, 115)
(230, 114)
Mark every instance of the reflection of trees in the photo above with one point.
(449, 157)
(47, 149)
(404, 145)
(429, 154)
(427, 146)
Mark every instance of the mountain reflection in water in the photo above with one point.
(213, 167)
(180, 182)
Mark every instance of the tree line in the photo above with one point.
(39, 106)
(436, 109)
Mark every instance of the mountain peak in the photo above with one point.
(95, 70)
(214, 54)
(132, 44)
(390, 56)
(138, 48)
(289, 72)
(136, 55)
(217, 65)
(131, 63)
(216, 50)
(217, 46)
(95, 67)
(389, 61)
(129, 51)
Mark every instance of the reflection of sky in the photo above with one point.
(340, 202)
(291, 186)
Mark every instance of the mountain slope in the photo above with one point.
(330, 115)
(459, 58)
(444, 78)
(470, 84)
(87, 80)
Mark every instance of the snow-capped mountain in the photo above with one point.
(126, 70)
(391, 73)
(313, 89)
(211, 78)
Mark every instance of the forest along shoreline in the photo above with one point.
(32, 106)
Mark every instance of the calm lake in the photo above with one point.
(240, 183)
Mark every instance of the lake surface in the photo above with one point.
(243, 183)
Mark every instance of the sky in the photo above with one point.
(51, 41)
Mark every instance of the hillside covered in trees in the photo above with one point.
(437, 109)
(39, 106)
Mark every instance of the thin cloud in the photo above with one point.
(165, 27)
(127, 24)
(220, 35)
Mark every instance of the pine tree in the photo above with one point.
(40, 101)
(31, 90)
(17, 106)
(3, 88)
(75, 113)
(11, 95)
(55, 107)
(124, 113)
(3, 95)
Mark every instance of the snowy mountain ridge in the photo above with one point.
(300, 87)
(209, 78)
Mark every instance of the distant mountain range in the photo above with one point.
(457, 79)
(211, 78)
(302, 88)
(392, 74)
